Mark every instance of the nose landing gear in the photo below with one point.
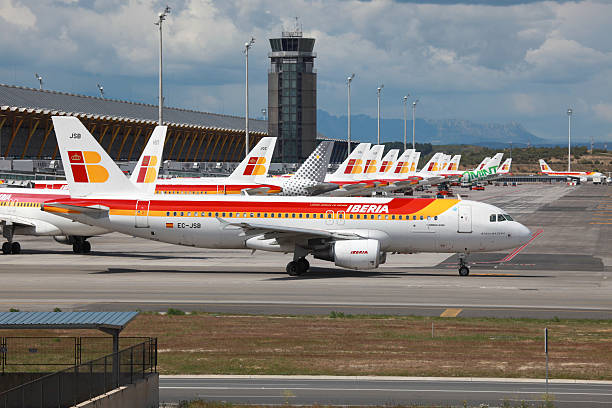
(464, 269)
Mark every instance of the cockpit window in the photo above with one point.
(500, 217)
(492, 218)
(509, 218)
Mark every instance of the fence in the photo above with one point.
(84, 381)
(48, 354)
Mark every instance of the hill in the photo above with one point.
(446, 131)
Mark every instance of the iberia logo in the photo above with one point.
(545, 167)
(147, 172)
(402, 167)
(353, 167)
(370, 166)
(385, 166)
(433, 166)
(453, 166)
(85, 167)
(505, 167)
(255, 167)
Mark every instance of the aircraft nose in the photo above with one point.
(523, 234)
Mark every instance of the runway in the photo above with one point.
(303, 390)
(566, 272)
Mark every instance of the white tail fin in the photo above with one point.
(443, 163)
(387, 163)
(89, 169)
(544, 167)
(431, 165)
(414, 162)
(505, 167)
(453, 165)
(353, 163)
(483, 163)
(403, 162)
(371, 160)
(257, 163)
(315, 166)
(145, 173)
(494, 163)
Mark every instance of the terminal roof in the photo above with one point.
(61, 103)
(65, 320)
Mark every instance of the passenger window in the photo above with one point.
(329, 215)
(216, 214)
(280, 215)
(265, 215)
(429, 217)
(509, 218)
(500, 218)
(271, 215)
(307, 215)
(393, 217)
(210, 214)
(399, 217)
(189, 213)
(386, 217)
(168, 214)
(436, 217)
(258, 215)
(286, 215)
(223, 214)
(379, 217)
(293, 215)
(175, 213)
(230, 215)
(492, 218)
(414, 217)
(421, 217)
(358, 216)
(301, 215)
(340, 215)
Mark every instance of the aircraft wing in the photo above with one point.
(7, 219)
(285, 232)
(256, 191)
(93, 211)
(322, 188)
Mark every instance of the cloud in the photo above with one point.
(479, 60)
(603, 111)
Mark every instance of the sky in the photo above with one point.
(486, 61)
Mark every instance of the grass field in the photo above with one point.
(374, 345)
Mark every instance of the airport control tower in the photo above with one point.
(292, 96)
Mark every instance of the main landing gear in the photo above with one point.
(299, 265)
(81, 246)
(464, 269)
(9, 247)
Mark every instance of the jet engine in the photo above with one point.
(353, 254)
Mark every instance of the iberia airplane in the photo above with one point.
(354, 233)
(20, 207)
(588, 175)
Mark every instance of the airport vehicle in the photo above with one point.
(20, 212)
(581, 175)
(354, 233)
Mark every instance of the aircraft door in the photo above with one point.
(341, 215)
(329, 217)
(465, 218)
(142, 214)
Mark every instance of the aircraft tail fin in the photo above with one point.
(145, 173)
(353, 164)
(403, 162)
(432, 164)
(505, 167)
(453, 165)
(414, 162)
(257, 162)
(371, 159)
(483, 163)
(388, 161)
(315, 166)
(493, 164)
(89, 169)
(544, 167)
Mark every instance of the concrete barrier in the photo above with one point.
(142, 394)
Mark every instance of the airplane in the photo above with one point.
(582, 175)
(20, 207)
(355, 233)
(486, 169)
(505, 167)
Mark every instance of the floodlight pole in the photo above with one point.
(40, 81)
(101, 89)
(348, 135)
(162, 17)
(247, 46)
(569, 139)
(405, 99)
(378, 115)
(414, 104)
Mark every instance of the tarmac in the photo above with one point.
(565, 272)
(394, 391)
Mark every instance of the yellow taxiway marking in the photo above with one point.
(451, 313)
(607, 223)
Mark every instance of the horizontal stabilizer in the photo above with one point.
(93, 211)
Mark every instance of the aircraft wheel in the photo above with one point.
(77, 248)
(304, 264)
(464, 271)
(292, 268)
(6, 248)
(15, 248)
(86, 247)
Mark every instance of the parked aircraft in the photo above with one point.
(583, 175)
(353, 233)
(486, 169)
(20, 212)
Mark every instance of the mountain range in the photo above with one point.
(435, 131)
